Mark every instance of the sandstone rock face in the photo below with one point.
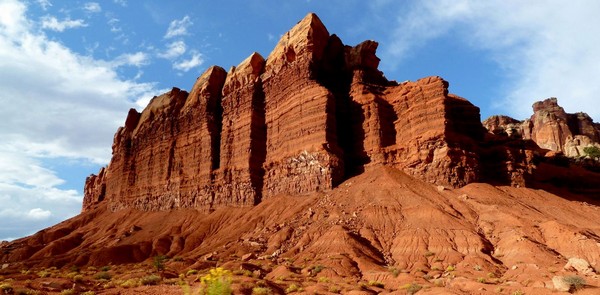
(551, 128)
(314, 113)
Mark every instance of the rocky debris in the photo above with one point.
(551, 128)
(580, 265)
(560, 284)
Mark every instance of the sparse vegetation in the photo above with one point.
(377, 284)
(316, 269)
(159, 262)
(217, 282)
(130, 283)
(477, 267)
(292, 288)
(323, 280)
(335, 289)
(44, 273)
(150, 280)
(592, 151)
(412, 288)
(395, 271)
(481, 280)
(191, 272)
(68, 292)
(576, 282)
(258, 291)
(450, 268)
(103, 275)
(105, 268)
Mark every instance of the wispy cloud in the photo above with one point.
(82, 101)
(174, 50)
(92, 7)
(186, 65)
(137, 59)
(52, 23)
(178, 27)
(544, 50)
(121, 2)
(44, 4)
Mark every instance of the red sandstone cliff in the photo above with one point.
(312, 114)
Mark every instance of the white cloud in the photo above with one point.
(92, 7)
(113, 23)
(44, 4)
(57, 105)
(38, 213)
(137, 59)
(174, 49)
(178, 27)
(544, 50)
(52, 23)
(121, 2)
(189, 64)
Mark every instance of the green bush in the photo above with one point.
(592, 151)
(159, 262)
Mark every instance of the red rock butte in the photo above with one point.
(311, 157)
(314, 113)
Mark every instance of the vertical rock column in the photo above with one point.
(238, 179)
(302, 153)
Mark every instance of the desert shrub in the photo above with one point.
(217, 282)
(395, 271)
(450, 268)
(44, 274)
(412, 288)
(88, 293)
(67, 292)
(159, 262)
(592, 151)
(191, 272)
(481, 280)
(78, 278)
(576, 282)
(130, 283)
(323, 280)
(105, 268)
(377, 284)
(292, 288)
(261, 291)
(150, 280)
(335, 289)
(316, 269)
(103, 276)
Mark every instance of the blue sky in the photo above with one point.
(70, 70)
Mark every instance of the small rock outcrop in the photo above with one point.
(551, 128)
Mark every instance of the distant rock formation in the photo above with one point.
(314, 113)
(551, 128)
